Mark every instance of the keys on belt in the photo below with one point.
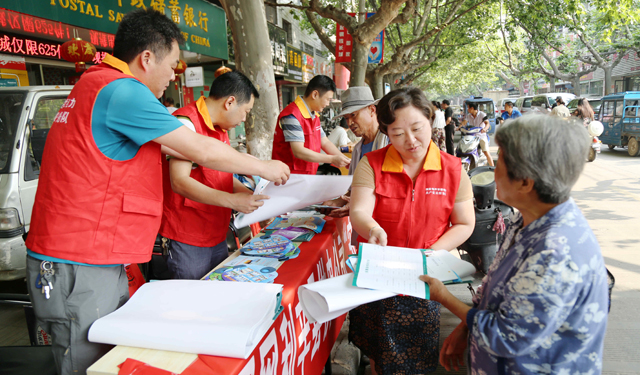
(46, 278)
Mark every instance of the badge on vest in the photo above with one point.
(436, 191)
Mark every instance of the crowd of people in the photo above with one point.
(123, 169)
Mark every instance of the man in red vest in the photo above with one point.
(299, 136)
(99, 199)
(198, 200)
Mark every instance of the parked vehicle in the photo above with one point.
(468, 150)
(26, 115)
(543, 103)
(594, 102)
(620, 117)
(487, 106)
(524, 104)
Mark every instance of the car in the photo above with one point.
(26, 115)
(594, 102)
(524, 104)
(542, 103)
(620, 115)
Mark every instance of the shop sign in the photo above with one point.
(12, 82)
(23, 24)
(308, 68)
(294, 64)
(32, 47)
(12, 62)
(194, 76)
(324, 67)
(203, 25)
(278, 38)
(344, 45)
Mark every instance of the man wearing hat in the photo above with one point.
(299, 138)
(359, 109)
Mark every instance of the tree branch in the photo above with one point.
(324, 38)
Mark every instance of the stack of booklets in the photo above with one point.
(381, 272)
(191, 316)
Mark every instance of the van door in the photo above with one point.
(43, 110)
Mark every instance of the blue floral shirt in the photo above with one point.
(543, 306)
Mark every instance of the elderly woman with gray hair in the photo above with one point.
(543, 306)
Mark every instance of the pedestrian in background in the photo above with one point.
(584, 111)
(560, 109)
(339, 136)
(451, 123)
(439, 123)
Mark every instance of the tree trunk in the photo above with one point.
(552, 84)
(576, 85)
(253, 58)
(608, 81)
(359, 52)
(377, 85)
(359, 58)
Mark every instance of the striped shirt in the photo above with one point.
(292, 129)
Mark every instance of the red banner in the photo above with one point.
(344, 43)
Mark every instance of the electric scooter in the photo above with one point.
(469, 150)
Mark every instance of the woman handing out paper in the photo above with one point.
(407, 194)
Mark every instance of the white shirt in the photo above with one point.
(439, 122)
(339, 137)
(172, 109)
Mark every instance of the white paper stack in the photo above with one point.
(299, 191)
(328, 299)
(192, 316)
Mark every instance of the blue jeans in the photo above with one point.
(193, 262)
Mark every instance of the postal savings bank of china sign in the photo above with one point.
(203, 24)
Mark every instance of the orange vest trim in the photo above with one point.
(188, 221)
(312, 138)
(89, 208)
(414, 215)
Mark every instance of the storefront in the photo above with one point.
(35, 30)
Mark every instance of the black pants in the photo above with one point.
(448, 133)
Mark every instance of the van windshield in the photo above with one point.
(10, 109)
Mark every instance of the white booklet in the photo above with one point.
(397, 269)
(203, 317)
(299, 191)
(328, 299)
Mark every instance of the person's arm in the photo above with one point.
(213, 154)
(301, 152)
(363, 201)
(182, 183)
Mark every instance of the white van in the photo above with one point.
(26, 115)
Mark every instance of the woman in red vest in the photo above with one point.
(408, 194)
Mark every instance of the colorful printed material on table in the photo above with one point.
(250, 273)
(271, 246)
(313, 223)
(291, 232)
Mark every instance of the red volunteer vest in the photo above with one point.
(90, 208)
(312, 141)
(188, 221)
(414, 215)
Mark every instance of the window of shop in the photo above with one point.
(287, 28)
(307, 48)
(634, 84)
(597, 88)
(584, 88)
(272, 14)
(619, 86)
